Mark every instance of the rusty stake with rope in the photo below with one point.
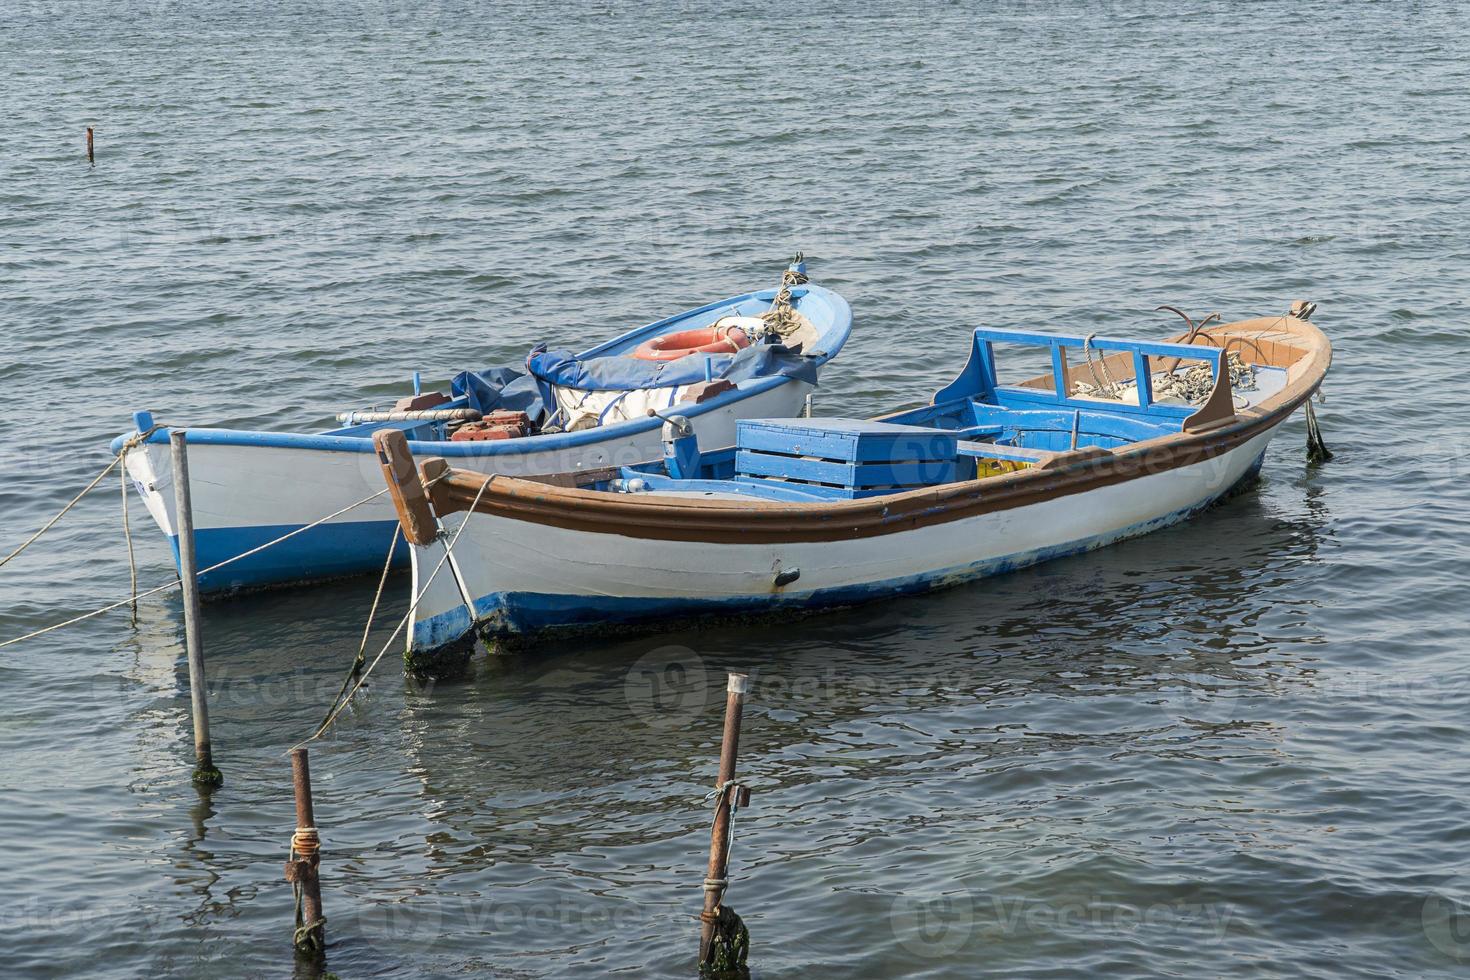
(724, 941)
(304, 861)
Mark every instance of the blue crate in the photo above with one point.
(853, 440)
(845, 457)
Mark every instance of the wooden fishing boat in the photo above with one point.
(750, 356)
(1118, 438)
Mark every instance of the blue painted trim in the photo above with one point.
(525, 613)
(476, 449)
(327, 551)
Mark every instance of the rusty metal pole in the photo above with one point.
(205, 773)
(90, 157)
(719, 841)
(305, 862)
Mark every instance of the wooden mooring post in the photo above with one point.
(304, 862)
(91, 157)
(723, 940)
(205, 773)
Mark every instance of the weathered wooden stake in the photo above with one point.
(205, 774)
(715, 879)
(305, 861)
(90, 157)
(409, 497)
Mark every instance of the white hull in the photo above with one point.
(520, 577)
(246, 494)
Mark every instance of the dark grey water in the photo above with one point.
(1233, 748)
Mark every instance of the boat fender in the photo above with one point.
(728, 335)
(785, 577)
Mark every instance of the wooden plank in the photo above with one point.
(990, 450)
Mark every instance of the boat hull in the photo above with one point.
(247, 492)
(523, 577)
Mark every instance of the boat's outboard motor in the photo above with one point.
(681, 448)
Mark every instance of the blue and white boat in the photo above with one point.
(597, 408)
(1116, 438)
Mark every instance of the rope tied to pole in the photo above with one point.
(731, 940)
(449, 543)
(306, 842)
(302, 859)
(361, 659)
(132, 443)
(176, 583)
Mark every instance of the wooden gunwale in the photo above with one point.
(770, 522)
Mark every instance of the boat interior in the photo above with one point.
(683, 360)
(1074, 395)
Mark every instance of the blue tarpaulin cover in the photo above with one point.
(500, 388)
(625, 373)
(508, 388)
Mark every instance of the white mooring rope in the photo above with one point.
(412, 607)
(179, 582)
(132, 443)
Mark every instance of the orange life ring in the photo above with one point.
(706, 340)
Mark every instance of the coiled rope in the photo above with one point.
(306, 846)
(1193, 386)
(782, 319)
(1196, 384)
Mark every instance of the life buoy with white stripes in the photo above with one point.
(728, 335)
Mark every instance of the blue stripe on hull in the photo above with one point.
(512, 614)
(327, 551)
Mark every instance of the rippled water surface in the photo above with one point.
(1233, 748)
